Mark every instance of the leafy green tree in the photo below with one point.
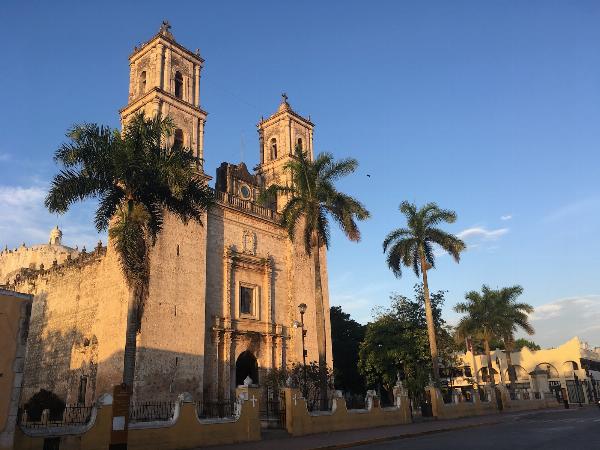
(136, 178)
(413, 247)
(346, 336)
(396, 343)
(312, 201)
(522, 342)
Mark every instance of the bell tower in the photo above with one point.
(164, 77)
(279, 135)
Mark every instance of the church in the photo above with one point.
(223, 296)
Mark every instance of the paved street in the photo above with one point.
(572, 429)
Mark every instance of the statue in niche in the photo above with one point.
(249, 242)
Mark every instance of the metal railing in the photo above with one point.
(151, 411)
(246, 205)
(316, 403)
(356, 402)
(215, 409)
(71, 415)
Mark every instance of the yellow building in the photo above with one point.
(572, 371)
(14, 321)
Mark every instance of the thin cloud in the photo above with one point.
(576, 208)
(4, 157)
(26, 220)
(506, 217)
(558, 321)
(480, 233)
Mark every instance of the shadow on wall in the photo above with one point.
(66, 362)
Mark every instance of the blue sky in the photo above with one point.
(488, 108)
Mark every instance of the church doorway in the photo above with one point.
(246, 366)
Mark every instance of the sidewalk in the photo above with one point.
(346, 439)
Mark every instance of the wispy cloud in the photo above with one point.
(559, 320)
(25, 219)
(481, 233)
(4, 156)
(506, 217)
(576, 208)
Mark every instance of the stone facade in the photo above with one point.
(221, 292)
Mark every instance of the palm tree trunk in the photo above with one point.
(320, 322)
(430, 324)
(488, 353)
(130, 341)
(508, 346)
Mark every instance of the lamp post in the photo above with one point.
(302, 308)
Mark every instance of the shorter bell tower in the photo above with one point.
(279, 135)
(164, 77)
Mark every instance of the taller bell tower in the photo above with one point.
(279, 136)
(164, 77)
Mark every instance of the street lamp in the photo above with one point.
(302, 308)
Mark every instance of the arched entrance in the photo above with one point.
(246, 366)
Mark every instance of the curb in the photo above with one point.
(402, 436)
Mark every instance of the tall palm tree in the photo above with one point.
(512, 316)
(482, 320)
(136, 177)
(413, 247)
(312, 200)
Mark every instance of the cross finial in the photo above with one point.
(284, 97)
(165, 26)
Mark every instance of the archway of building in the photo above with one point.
(246, 366)
(569, 367)
(552, 371)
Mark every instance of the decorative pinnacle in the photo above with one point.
(284, 97)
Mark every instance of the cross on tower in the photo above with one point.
(165, 27)
(284, 97)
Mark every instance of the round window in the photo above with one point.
(245, 192)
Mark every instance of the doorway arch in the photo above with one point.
(246, 366)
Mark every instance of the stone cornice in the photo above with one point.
(157, 92)
(280, 115)
(160, 36)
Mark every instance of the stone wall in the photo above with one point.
(171, 343)
(77, 327)
(11, 261)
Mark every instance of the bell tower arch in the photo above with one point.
(164, 77)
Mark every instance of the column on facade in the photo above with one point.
(160, 66)
(310, 141)
(167, 71)
(196, 101)
(132, 75)
(291, 152)
(201, 139)
(261, 144)
(227, 268)
(227, 363)
(214, 388)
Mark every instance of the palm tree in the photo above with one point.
(312, 200)
(481, 320)
(512, 316)
(413, 247)
(136, 178)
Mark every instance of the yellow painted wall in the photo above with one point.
(186, 432)
(11, 343)
(299, 422)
